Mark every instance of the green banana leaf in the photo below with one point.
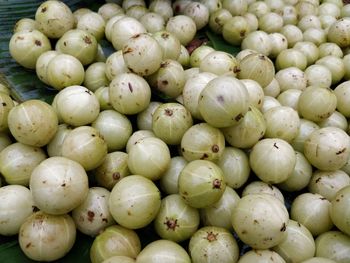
(24, 85)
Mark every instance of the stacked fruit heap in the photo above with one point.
(272, 117)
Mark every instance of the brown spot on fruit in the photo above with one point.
(37, 42)
(116, 176)
(275, 145)
(283, 228)
(130, 87)
(216, 184)
(238, 117)
(63, 185)
(28, 245)
(165, 35)
(212, 236)
(87, 40)
(341, 151)
(90, 215)
(215, 148)
(43, 10)
(171, 223)
(168, 112)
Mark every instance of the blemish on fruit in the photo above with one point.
(212, 236)
(216, 184)
(90, 215)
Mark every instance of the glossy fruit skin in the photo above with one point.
(163, 251)
(299, 244)
(114, 127)
(16, 205)
(26, 47)
(202, 141)
(77, 106)
(328, 148)
(308, 208)
(64, 70)
(328, 184)
(223, 102)
(129, 93)
(248, 131)
(339, 210)
(213, 244)
(92, 216)
(272, 160)
(316, 104)
(119, 259)
(142, 54)
(58, 185)
(265, 255)
(79, 44)
(113, 168)
(235, 166)
(219, 214)
(42, 63)
(183, 27)
(115, 241)
(169, 180)
(134, 201)
(54, 18)
(176, 220)
(54, 147)
(33, 122)
(124, 29)
(259, 187)
(257, 67)
(149, 157)
(201, 183)
(86, 146)
(333, 245)
(17, 162)
(282, 122)
(170, 121)
(40, 227)
(260, 220)
(300, 176)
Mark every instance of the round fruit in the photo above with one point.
(86, 146)
(17, 162)
(260, 220)
(149, 157)
(134, 201)
(176, 220)
(272, 160)
(213, 244)
(15, 206)
(33, 122)
(58, 185)
(54, 18)
(308, 209)
(92, 216)
(201, 183)
(164, 251)
(115, 241)
(27, 46)
(202, 141)
(40, 227)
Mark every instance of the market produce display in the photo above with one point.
(176, 132)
